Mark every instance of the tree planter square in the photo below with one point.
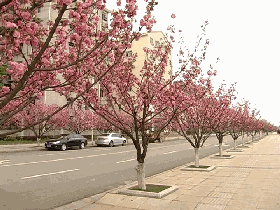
(235, 150)
(152, 190)
(223, 156)
(243, 146)
(200, 168)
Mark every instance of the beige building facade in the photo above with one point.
(150, 40)
(48, 14)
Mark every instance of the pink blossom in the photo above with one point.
(215, 73)
(11, 25)
(173, 16)
(5, 90)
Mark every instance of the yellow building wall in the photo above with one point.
(145, 41)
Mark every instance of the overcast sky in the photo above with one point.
(244, 34)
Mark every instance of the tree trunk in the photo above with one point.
(234, 144)
(38, 141)
(141, 176)
(243, 143)
(92, 136)
(220, 149)
(196, 157)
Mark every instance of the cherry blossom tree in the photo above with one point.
(195, 121)
(133, 98)
(140, 100)
(102, 125)
(268, 127)
(145, 98)
(220, 124)
(253, 125)
(35, 113)
(235, 129)
(244, 118)
(37, 55)
(80, 120)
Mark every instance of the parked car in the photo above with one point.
(153, 138)
(110, 139)
(65, 142)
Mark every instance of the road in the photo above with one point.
(49, 179)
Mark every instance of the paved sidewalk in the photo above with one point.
(251, 180)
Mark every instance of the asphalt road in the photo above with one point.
(49, 179)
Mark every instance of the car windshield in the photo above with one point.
(105, 134)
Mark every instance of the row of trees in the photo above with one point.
(36, 56)
(74, 119)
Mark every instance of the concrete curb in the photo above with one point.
(187, 168)
(222, 157)
(127, 191)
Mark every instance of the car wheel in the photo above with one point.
(63, 147)
(111, 144)
(82, 145)
(124, 143)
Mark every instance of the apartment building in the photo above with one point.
(149, 40)
(48, 14)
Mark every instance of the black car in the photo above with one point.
(65, 142)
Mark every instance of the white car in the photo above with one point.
(110, 139)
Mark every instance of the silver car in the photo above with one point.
(110, 139)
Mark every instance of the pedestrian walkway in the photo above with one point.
(251, 180)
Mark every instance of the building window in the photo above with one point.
(104, 16)
(101, 93)
(151, 40)
(68, 101)
(71, 44)
(157, 43)
(128, 53)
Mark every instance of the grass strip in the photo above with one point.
(152, 188)
(193, 166)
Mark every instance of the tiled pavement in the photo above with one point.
(251, 180)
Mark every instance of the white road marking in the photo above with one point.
(169, 152)
(126, 160)
(59, 172)
(90, 180)
(5, 161)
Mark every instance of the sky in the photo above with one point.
(244, 34)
